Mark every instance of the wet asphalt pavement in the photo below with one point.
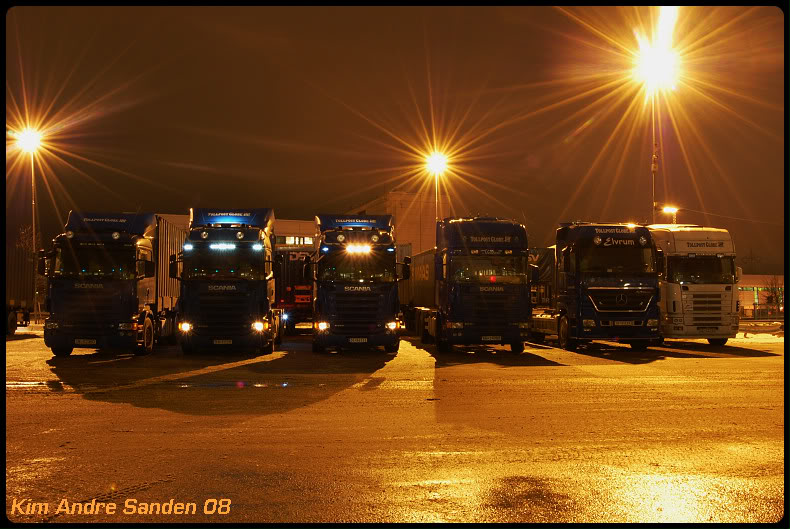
(682, 433)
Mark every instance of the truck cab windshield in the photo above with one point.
(481, 269)
(376, 267)
(115, 262)
(700, 270)
(241, 263)
(616, 260)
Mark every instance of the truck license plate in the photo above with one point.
(623, 322)
(223, 342)
(491, 338)
(357, 340)
(85, 341)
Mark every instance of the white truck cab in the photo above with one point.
(699, 293)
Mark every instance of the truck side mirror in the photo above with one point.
(149, 268)
(534, 273)
(406, 272)
(660, 262)
(173, 267)
(306, 270)
(738, 274)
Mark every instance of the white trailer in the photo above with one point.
(699, 292)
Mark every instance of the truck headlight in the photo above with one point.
(129, 326)
(258, 326)
(322, 325)
(454, 325)
(652, 323)
(392, 325)
(588, 323)
(184, 326)
(51, 325)
(285, 316)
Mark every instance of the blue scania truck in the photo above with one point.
(354, 271)
(227, 281)
(598, 282)
(108, 284)
(473, 287)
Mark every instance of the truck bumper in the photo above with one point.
(54, 338)
(329, 339)
(694, 331)
(618, 333)
(503, 336)
(246, 341)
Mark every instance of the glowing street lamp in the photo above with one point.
(670, 210)
(436, 164)
(657, 68)
(29, 141)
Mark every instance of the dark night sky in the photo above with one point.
(299, 109)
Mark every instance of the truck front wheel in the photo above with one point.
(147, 346)
(62, 351)
(392, 347)
(717, 341)
(564, 335)
(639, 346)
(517, 347)
(318, 348)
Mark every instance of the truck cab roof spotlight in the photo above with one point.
(341, 237)
(239, 235)
(116, 235)
(374, 238)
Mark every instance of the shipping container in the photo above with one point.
(19, 273)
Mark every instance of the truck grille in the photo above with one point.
(707, 308)
(88, 312)
(491, 313)
(617, 300)
(357, 313)
(222, 314)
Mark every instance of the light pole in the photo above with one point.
(670, 210)
(657, 68)
(436, 164)
(29, 140)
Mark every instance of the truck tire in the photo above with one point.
(717, 341)
(11, 328)
(564, 335)
(187, 348)
(639, 346)
(278, 339)
(62, 351)
(317, 348)
(517, 347)
(147, 347)
(392, 348)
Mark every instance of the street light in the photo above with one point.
(29, 141)
(670, 210)
(657, 68)
(436, 164)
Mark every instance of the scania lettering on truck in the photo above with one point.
(598, 282)
(355, 277)
(227, 281)
(107, 282)
(699, 291)
(472, 288)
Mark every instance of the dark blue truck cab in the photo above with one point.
(107, 282)
(473, 287)
(598, 282)
(355, 277)
(227, 281)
